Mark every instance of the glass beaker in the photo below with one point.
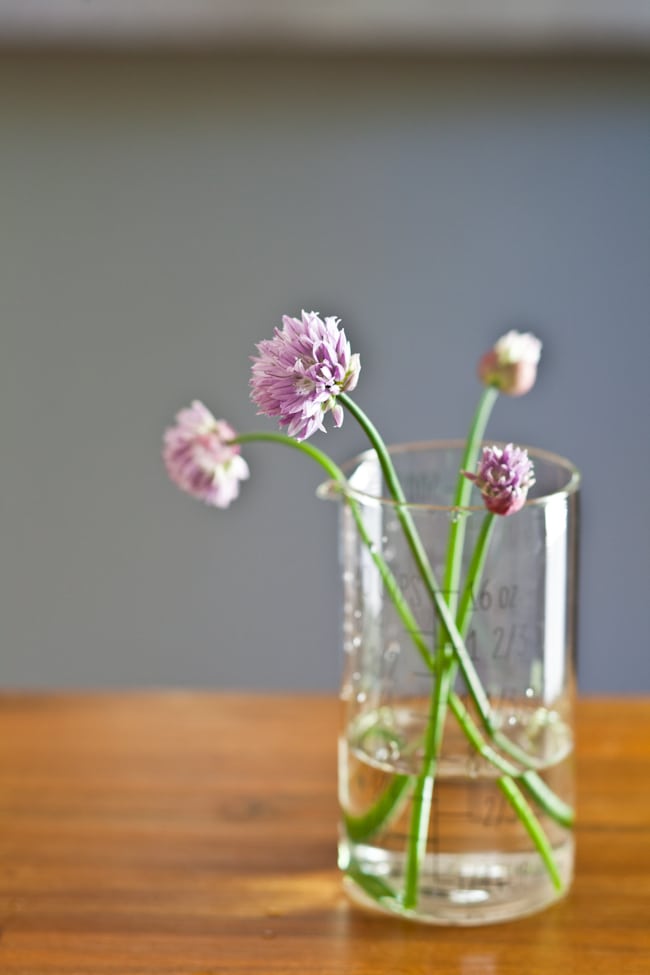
(471, 824)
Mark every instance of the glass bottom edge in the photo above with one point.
(458, 889)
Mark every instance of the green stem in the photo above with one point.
(532, 826)
(544, 796)
(475, 571)
(461, 498)
(423, 793)
(268, 436)
(476, 739)
(375, 887)
(551, 804)
(360, 828)
(259, 436)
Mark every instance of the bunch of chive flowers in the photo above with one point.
(306, 372)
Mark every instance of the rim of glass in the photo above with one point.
(332, 490)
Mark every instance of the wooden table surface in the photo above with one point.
(181, 833)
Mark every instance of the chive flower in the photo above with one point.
(503, 477)
(511, 363)
(200, 459)
(299, 373)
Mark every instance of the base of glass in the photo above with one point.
(456, 889)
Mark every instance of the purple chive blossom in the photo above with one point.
(503, 478)
(511, 363)
(300, 372)
(199, 458)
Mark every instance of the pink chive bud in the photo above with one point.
(511, 364)
(199, 459)
(503, 477)
(300, 372)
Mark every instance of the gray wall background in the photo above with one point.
(158, 215)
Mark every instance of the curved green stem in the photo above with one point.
(360, 828)
(264, 436)
(337, 475)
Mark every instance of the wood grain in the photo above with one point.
(181, 833)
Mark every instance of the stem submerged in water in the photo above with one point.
(423, 794)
